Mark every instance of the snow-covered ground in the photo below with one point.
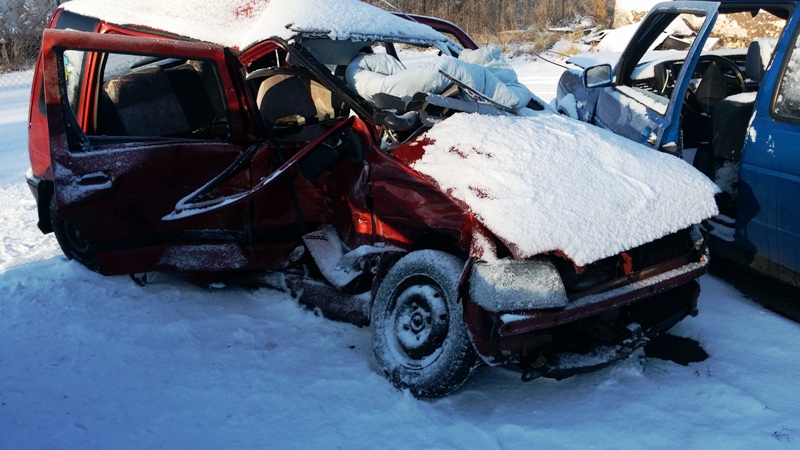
(88, 361)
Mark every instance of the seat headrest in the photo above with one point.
(285, 97)
(759, 55)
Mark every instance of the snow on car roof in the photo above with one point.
(546, 183)
(242, 23)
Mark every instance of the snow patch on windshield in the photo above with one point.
(241, 23)
(545, 182)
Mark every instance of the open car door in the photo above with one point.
(642, 115)
(157, 119)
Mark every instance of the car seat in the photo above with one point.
(759, 55)
(159, 102)
(712, 89)
(293, 105)
(141, 103)
(192, 95)
(732, 114)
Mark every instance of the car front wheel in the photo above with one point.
(419, 336)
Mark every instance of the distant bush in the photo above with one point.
(480, 17)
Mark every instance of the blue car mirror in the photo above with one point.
(597, 76)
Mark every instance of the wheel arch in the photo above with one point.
(432, 240)
(442, 242)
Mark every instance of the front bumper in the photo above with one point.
(523, 322)
(654, 298)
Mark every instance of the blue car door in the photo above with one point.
(642, 115)
(768, 219)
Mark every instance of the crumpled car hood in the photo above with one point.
(547, 183)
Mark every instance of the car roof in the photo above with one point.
(241, 23)
(762, 2)
(743, 3)
(776, 7)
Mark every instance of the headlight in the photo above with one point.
(509, 285)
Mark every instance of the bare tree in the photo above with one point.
(482, 17)
(21, 26)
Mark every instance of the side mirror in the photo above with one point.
(597, 76)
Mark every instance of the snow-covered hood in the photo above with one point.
(242, 23)
(546, 183)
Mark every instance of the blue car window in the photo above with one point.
(787, 102)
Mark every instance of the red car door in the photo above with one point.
(163, 118)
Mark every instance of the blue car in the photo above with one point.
(717, 83)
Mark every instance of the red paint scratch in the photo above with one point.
(479, 192)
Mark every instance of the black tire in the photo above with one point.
(71, 240)
(418, 331)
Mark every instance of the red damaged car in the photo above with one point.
(380, 167)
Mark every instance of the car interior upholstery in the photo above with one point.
(158, 101)
(732, 114)
(293, 105)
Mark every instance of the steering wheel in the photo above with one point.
(733, 76)
(727, 79)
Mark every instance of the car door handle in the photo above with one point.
(94, 179)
